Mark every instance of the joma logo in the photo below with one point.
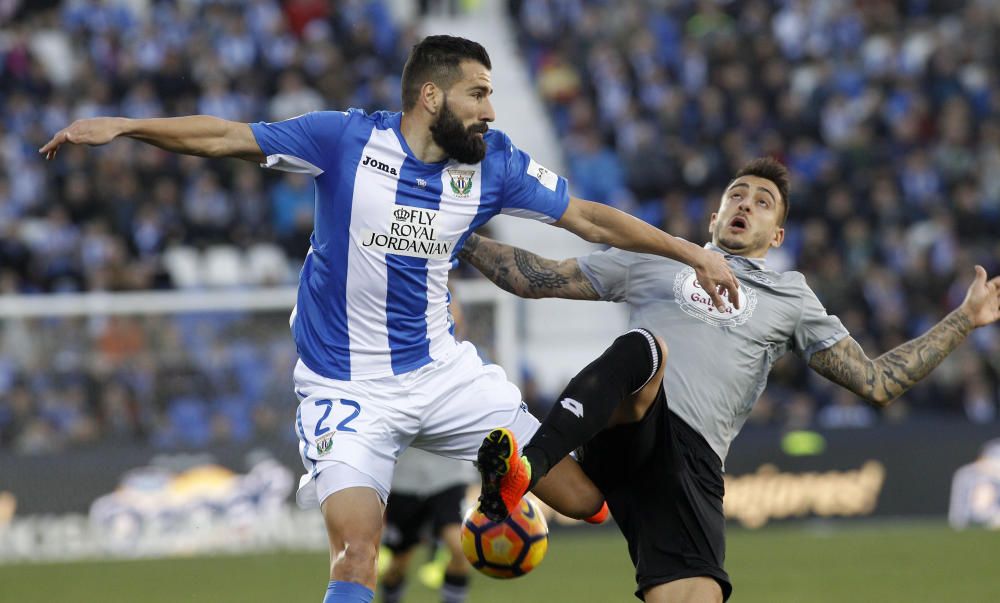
(375, 163)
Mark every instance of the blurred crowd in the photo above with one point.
(105, 219)
(183, 380)
(131, 217)
(887, 113)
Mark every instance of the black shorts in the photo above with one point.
(406, 515)
(664, 486)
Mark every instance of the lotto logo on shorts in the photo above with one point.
(573, 406)
(524, 407)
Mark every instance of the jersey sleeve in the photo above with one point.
(816, 330)
(608, 273)
(302, 144)
(531, 190)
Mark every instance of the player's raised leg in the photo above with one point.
(616, 388)
(506, 477)
(455, 427)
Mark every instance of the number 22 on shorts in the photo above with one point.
(323, 433)
(343, 425)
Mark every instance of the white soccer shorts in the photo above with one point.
(351, 432)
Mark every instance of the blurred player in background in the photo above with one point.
(428, 491)
(975, 491)
(397, 194)
(661, 463)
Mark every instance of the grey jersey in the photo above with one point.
(420, 473)
(718, 361)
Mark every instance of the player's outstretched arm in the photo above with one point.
(525, 274)
(200, 135)
(885, 378)
(599, 223)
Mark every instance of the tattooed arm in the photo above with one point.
(525, 274)
(885, 378)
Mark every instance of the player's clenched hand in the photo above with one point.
(717, 278)
(982, 300)
(95, 131)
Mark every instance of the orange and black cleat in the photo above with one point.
(505, 473)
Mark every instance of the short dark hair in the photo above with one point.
(771, 169)
(437, 59)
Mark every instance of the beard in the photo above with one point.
(460, 143)
(739, 244)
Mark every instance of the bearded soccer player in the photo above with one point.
(655, 434)
(397, 195)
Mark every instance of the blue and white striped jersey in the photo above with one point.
(373, 295)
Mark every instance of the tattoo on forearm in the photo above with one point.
(526, 274)
(491, 262)
(891, 374)
(539, 277)
(846, 364)
(903, 366)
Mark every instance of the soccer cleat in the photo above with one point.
(506, 475)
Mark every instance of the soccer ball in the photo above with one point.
(507, 549)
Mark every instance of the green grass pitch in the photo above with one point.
(805, 563)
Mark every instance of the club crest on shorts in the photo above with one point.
(461, 182)
(325, 444)
(696, 302)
